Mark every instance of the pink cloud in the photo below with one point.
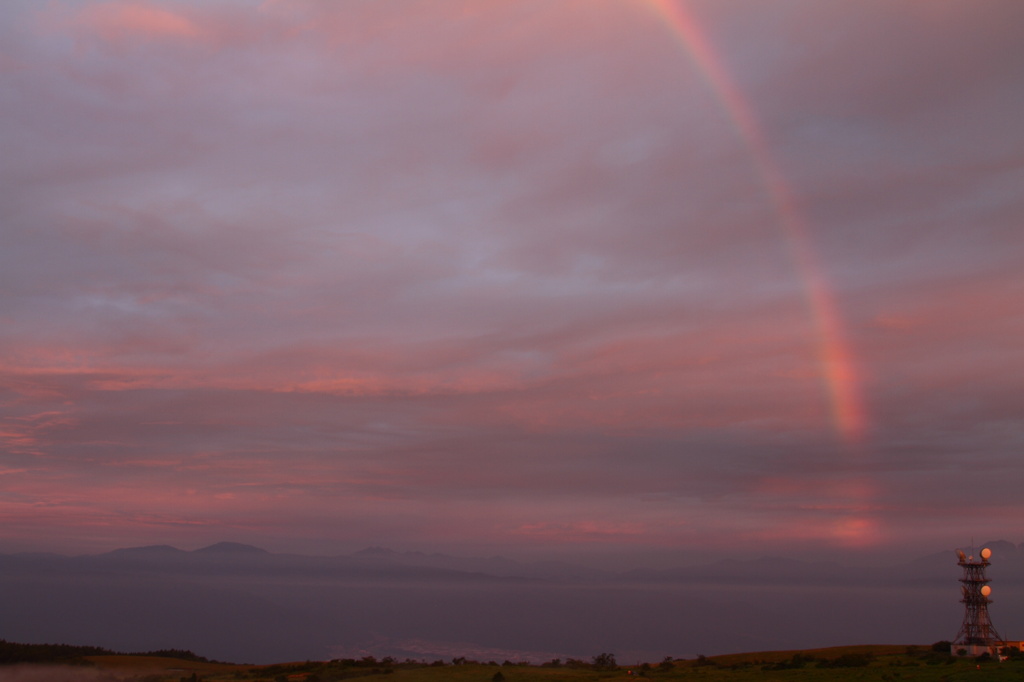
(126, 20)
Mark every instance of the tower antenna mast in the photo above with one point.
(977, 634)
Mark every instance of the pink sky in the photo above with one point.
(517, 276)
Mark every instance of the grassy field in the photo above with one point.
(888, 663)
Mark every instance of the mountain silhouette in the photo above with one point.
(231, 548)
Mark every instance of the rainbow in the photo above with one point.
(838, 370)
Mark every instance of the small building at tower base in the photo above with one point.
(995, 649)
(975, 650)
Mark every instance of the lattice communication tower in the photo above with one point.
(977, 632)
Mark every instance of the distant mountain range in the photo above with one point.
(371, 563)
(379, 563)
(236, 602)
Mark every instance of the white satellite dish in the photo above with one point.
(986, 553)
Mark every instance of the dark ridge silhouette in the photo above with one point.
(12, 653)
(231, 548)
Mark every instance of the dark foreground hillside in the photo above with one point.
(888, 663)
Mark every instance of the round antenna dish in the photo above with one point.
(985, 591)
(986, 553)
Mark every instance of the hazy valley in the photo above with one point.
(239, 603)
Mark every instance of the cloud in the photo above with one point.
(118, 21)
(462, 269)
